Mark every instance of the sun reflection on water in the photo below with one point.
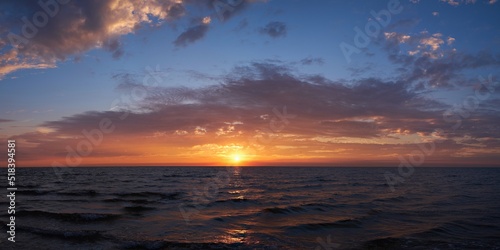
(234, 236)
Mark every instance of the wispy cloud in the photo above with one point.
(312, 60)
(274, 29)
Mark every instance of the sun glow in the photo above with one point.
(236, 158)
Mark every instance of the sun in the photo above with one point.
(236, 158)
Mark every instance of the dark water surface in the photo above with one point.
(255, 208)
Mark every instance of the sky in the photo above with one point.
(251, 82)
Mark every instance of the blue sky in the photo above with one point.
(91, 54)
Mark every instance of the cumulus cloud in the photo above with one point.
(424, 42)
(400, 38)
(53, 32)
(73, 28)
(434, 42)
(450, 40)
(430, 60)
(274, 29)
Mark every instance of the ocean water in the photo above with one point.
(254, 208)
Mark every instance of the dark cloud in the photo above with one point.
(75, 27)
(403, 24)
(191, 35)
(6, 120)
(361, 70)
(241, 25)
(274, 29)
(312, 60)
(174, 11)
(369, 114)
(226, 9)
(320, 104)
(115, 47)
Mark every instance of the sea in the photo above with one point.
(318, 208)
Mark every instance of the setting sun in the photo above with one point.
(236, 158)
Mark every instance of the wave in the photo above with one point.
(347, 223)
(285, 210)
(135, 201)
(176, 175)
(415, 243)
(321, 179)
(33, 192)
(4, 186)
(71, 217)
(391, 199)
(27, 186)
(153, 245)
(234, 200)
(82, 235)
(461, 229)
(147, 194)
(138, 209)
(401, 243)
(321, 206)
(80, 193)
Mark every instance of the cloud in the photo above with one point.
(193, 33)
(226, 9)
(399, 38)
(434, 41)
(362, 115)
(428, 59)
(403, 24)
(423, 42)
(312, 60)
(458, 2)
(249, 97)
(73, 28)
(324, 108)
(241, 25)
(274, 29)
(450, 40)
(5, 120)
